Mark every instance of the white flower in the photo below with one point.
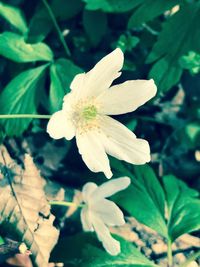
(193, 264)
(85, 115)
(98, 213)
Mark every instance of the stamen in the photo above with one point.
(89, 112)
(85, 116)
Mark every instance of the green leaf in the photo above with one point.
(183, 207)
(183, 27)
(62, 73)
(191, 62)
(166, 72)
(115, 6)
(72, 8)
(190, 135)
(41, 24)
(19, 97)
(84, 250)
(1, 241)
(127, 42)
(14, 16)
(147, 201)
(95, 25)
(148, 10)
(144, 199)
(14, 47)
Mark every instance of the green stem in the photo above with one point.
(24, 116)
(60, 35)
(169, 253)
(65, 204)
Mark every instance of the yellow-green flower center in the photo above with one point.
(89, 112)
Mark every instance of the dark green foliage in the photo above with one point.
(111, 5)
(147, 200)
(85, 251)
(154, 7)
(191, 62)
(183, 207)
(95, 25)
(19, 97)
(178, 36)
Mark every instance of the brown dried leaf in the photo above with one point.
(24, 207)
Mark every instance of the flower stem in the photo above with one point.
(60, 35)
(24, 116)
(169, 253)
(65, 204)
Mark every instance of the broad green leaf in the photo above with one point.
(115, 6)
(19, 97)
(14, 16)
(84, 250)
(62, 73)
(179, 35)
(183, 207)
(14, 47)
(144, 199)
(147, 201)
(148, 10)
(95, 25)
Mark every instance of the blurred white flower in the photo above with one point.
(84, 115)
(193, 264)
(98, 212)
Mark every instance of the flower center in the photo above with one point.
(85, 116)
(89, 112)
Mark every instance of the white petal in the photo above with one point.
(93, 152)
(77, 81)
(59, 126)
(100, 77)
(110, 188)
(108, 212)
(111, 245)
(85, 219)
(87, 190)
(121, 143)
(193, 264)
(69, 102)
(126, 97)
(77, 85)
